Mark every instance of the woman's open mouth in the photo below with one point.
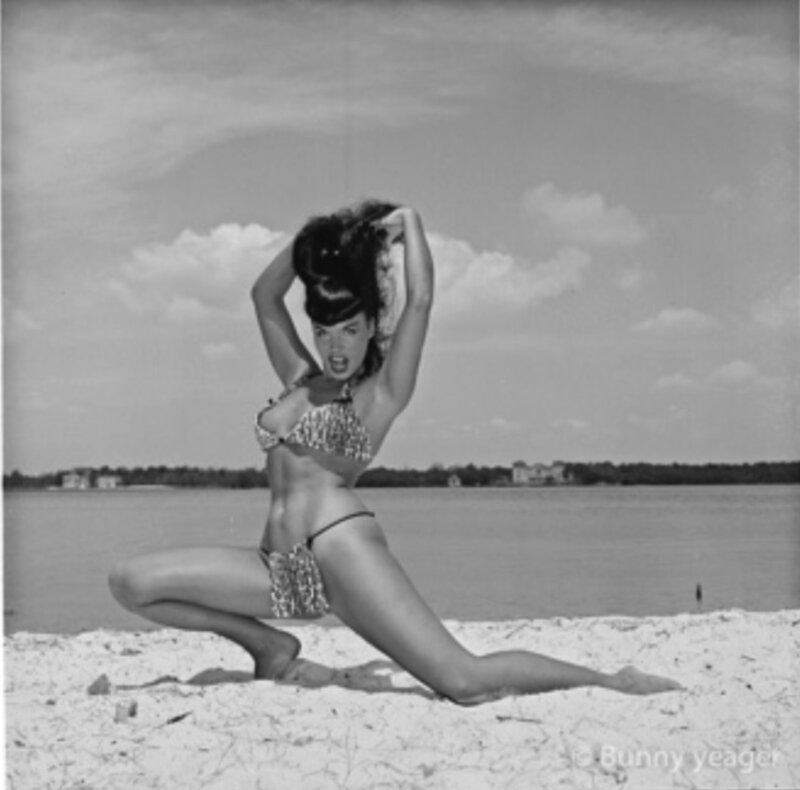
(338, 365)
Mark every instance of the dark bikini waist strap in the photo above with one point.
(312, 538)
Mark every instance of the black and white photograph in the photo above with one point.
(400, 394)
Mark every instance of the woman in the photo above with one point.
(322, 549)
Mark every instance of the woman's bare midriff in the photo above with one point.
(305, 497)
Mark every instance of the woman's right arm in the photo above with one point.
(287, 353)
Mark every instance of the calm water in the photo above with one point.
(475, 554)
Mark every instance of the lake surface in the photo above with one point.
(475, 554)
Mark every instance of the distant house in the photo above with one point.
(108, 481)
(539, 474)
(76, 480)
(454, 481)
(519, 473)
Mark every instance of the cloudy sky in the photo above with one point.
(609, 189)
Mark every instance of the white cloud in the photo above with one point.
(630, 278)
(677, 321)
(781, 311)
(101, 96)
(122, 291)
(220, 351)
(186, 310)
(638, 47)
(196, 276)
(735, 374)
(504, 424)
(676, 413)
(645, 49)
(467, 279)
(583, 219)
(571, 424)
(201, 276)
(216, 257)
(105, 96)
(679, 382)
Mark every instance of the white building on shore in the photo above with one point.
(539, 474)
(81, 480)
(76, 480)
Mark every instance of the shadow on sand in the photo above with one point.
(373, 677)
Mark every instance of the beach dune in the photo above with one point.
(167, 709)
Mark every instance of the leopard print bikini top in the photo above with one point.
(332, 428)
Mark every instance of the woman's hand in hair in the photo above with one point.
(395, 223)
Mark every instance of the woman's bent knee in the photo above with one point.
(128, 584)
(464, 686)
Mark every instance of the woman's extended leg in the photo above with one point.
(217, 589)
(370, 592)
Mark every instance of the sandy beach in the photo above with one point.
(166, 709)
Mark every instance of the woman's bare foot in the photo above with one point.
(630, 680)
(278, 653)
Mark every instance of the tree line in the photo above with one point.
(765, 472)
(586, 474)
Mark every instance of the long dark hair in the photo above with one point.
(341, 260)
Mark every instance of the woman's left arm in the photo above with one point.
(398, 375)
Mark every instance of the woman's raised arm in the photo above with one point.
(398, 376)
(290, 358)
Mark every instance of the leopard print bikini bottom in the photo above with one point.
(297, 588)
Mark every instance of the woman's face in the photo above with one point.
(343, 346)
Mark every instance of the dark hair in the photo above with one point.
(340, 259)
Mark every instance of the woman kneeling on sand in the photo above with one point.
(322, 549)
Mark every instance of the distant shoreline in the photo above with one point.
(519, 475)
(113, 488)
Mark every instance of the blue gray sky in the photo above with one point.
(609, 189)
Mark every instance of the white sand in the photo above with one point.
(370, 725)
